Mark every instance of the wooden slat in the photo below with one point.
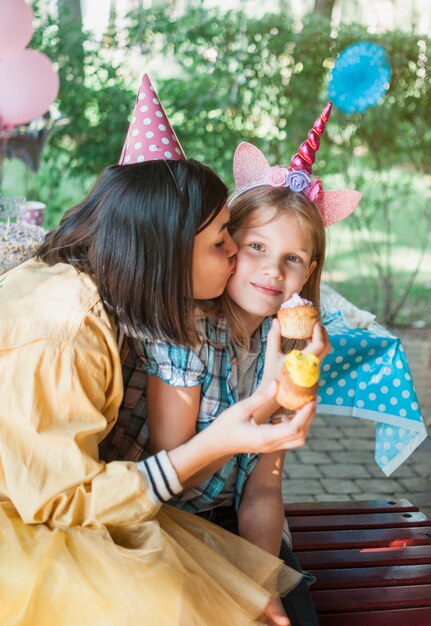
(382, 598)
(356, 578)
(361, 557)
(400, 617)
(362, 520)
(350, 506)
(386, 537)
(372, 561)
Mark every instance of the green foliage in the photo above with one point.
(263, 81)
(269, 81)
(93, 95)
(381, 250)
(95, 99)
(238, 79)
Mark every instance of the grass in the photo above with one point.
(375, 253)
(58, 194)
(352, 271)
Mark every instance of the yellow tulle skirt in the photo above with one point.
(174, 570)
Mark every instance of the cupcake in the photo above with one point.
(298, 382)
(297, 318)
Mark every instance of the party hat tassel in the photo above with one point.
(305, 157)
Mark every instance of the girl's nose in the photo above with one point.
(272, 268)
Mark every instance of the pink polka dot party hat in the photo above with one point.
(150, 136)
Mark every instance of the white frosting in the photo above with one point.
(294, 301)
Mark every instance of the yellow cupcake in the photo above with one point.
(303, 368)
(299, 377)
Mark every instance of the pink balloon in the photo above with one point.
(28, 85)
(16, 26)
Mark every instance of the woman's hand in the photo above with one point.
(238, 429)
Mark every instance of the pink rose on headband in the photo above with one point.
(315, 190)
(276, 177)
(298, 180)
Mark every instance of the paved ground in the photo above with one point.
(337, 463)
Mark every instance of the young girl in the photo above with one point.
(281, 244)
(280, 235)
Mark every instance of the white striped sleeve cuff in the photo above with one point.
(161, 476)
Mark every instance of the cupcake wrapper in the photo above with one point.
(297, 323)
(292, 396)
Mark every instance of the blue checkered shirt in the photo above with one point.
(213, 367)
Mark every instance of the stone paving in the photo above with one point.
(337, 462)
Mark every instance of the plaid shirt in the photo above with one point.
(213, 367)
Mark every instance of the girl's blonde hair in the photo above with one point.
(283, 201)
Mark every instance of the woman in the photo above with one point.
(86, 542)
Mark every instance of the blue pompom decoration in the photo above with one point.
(360, 77)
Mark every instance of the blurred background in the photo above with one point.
(228, 71)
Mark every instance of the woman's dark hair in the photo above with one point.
(134, 235)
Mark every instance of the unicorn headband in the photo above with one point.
(251, 169)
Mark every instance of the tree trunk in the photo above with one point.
(70, 28)
(70, 10)
(324, 7)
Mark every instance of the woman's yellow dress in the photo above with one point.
(83, 542)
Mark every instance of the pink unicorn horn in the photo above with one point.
(305, 157)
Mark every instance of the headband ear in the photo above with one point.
(335, 205)
(249, 167)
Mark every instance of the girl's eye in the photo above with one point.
(220, 244)
(256, 246)
(292, 258)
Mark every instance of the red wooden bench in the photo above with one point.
(372, 561)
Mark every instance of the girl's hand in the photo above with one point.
(319, 343)
(274, 357)
(274, 613)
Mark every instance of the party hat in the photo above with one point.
(150, 136)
